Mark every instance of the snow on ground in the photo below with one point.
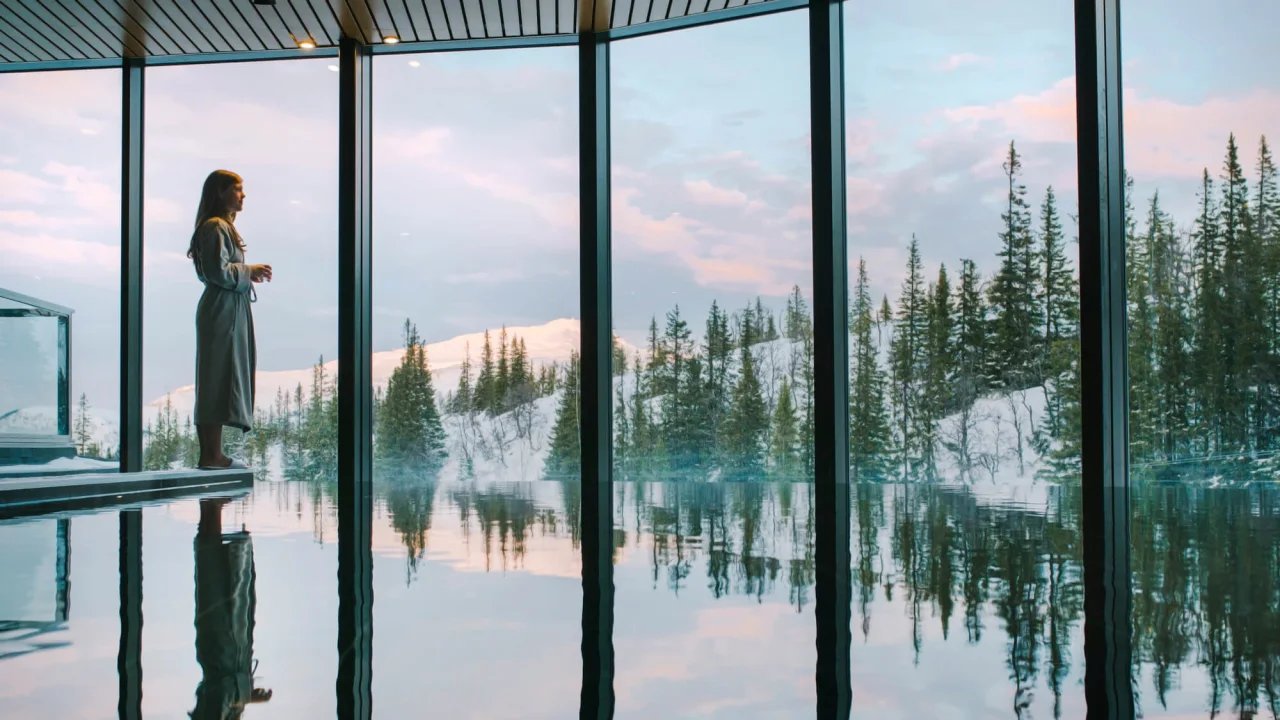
(62, 465)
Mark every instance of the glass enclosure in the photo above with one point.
(969, 370)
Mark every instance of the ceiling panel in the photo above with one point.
(43, 31)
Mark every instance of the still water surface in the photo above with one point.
(965, 605)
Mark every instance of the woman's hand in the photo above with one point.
(260, 273)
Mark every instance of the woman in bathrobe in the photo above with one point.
(226, 355)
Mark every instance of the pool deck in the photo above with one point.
(25, 496)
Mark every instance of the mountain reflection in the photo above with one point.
(942, 566)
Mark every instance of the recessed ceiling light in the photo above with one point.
(333, 68)
(307, 44)
(414, 63)
(391, 39)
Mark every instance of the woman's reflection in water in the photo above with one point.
(225, 603)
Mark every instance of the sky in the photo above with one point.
(475, 175)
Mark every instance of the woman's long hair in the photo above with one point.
(213, 205)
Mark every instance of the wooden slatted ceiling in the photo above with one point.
(62, 30)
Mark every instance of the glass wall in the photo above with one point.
(713, 413)
(964, 359)
(275, 125)
(1203, 281)
(475, 368)
(60, 279)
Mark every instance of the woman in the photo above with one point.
(226, 355)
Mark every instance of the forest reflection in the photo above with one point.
(959, 567)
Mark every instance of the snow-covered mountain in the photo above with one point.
(548, 343)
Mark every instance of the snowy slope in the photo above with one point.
(547, 343)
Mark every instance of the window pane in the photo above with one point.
(1203, 281)
(60, 279)
(264, 566)
(964, 359)
(713, 405)
(475, 371)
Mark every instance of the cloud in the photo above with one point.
(705, 193)
(957, 61)
(1163, 137)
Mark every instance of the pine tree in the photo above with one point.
(463, 400)
(1014, 288)
(697, 442)
(868, 425)
(939, 368)
(1242, 329)
(619, 357)
(657, 366)
(502, 383)
(1142, 412)
(677, 344)
(1266, 237)
(487, 381)
(1208, 375)
(565, 458)
(1059, 295)
(1170, 288)
(642, 430)
(971, 337)
(782, 451)
(622, 440)
(411, 438)
(718, 350)
(748, 419)
(797, 323)
(83, 433)
(906, 356)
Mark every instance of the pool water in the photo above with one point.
(966, 604)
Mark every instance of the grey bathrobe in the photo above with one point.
(226, 354)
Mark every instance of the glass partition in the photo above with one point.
(264, 602)
(713, 402)
(1202, 239)
(475, 368)
(60, 235)
(964, 402)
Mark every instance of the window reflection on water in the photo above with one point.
(964, 603)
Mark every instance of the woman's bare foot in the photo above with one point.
(221, 461)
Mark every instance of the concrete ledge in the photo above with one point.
(27, 496)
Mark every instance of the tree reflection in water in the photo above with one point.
(1206, 567)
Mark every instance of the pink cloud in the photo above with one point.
(1162, 137)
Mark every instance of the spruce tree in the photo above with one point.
(502, 382)
(971, 336)
(1014, 288)
(462, 397)
(939, 368)
(678, 345)
(1208, 375)
(642, 430)
(1170, 288)
(1142, 411)
(411, 438)
(83, 433)
(868, 424)
(782, 451)
(1243, 299)
(906, 359)
(718, 351)
(1266, 237)
(486, 381)
(748, 419)
(565, 457)
(798, 323)
(1059, 295)
(622, 441)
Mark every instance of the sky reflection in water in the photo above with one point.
(965, 607)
